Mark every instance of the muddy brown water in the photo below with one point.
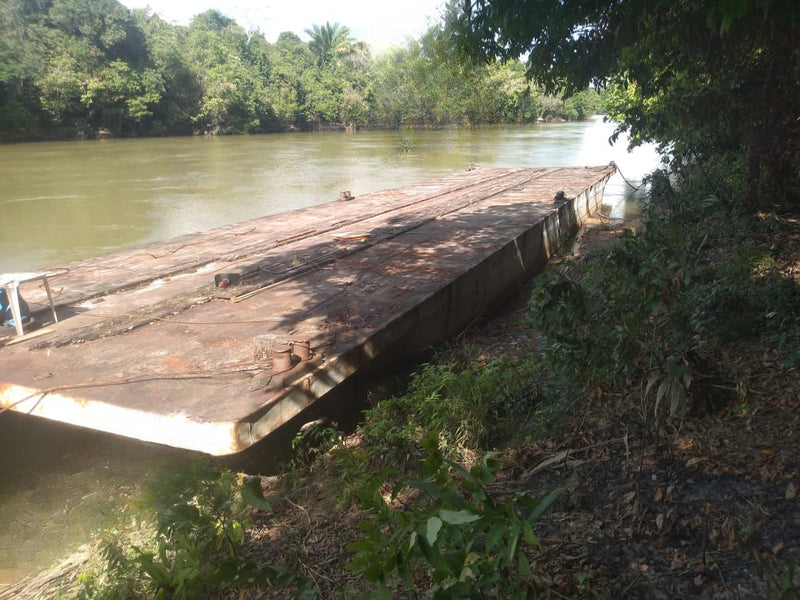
(64, 201)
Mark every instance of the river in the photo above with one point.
(63, 201)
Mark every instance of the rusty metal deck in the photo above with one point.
(149, 347)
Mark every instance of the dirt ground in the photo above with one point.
(709, 510)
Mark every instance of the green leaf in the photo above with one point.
(434, 558)
(362, 546)
(225, 572)
(253, 494)
(523, 565)
(440, 493)
(458, 517)
(237, 535)
(430, 488)
(285, 579)
(155, 570)
(546, 502)
(513, 541)
(412, 539)
(432, 528)
(459, 469)
(456, 563)
(403, 571)
(528, 535)
(494, 535)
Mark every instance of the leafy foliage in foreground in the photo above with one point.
(695, 277)
(469, 410)
(439, 530)
(192, 547)
(465, 409)
(448, 529)
(431, 524)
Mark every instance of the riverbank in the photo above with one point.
(696, 498)
(704, 506)
(187, 85)
(701, 507)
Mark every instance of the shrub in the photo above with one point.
(697, 274)
(191, 547)
(449, 535)
(471, 409)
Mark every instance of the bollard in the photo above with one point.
(301, 348)
(281, 358)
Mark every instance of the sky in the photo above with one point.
(379, 23)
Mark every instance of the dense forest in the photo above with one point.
(82, 68)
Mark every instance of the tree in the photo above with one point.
(329, 42)
(107, 93)
(19, 111)
(169, 72)
(422, 84)
(336, 89)
(719, 78)
(233, 98)
(290, 78)
(102, 24)
(78, 66)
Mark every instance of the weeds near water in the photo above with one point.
(404, 144)
(472, 409)
(312, 443)
(445, 533)
(695, 276)
(191, 547)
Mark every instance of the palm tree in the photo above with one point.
(329, 41)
